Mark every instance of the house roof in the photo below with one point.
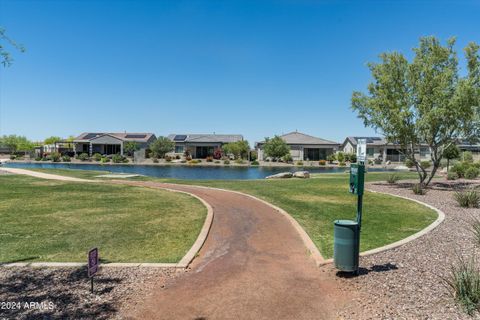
(124, 136)
(205, 138)
(302, 138)
(372, 141)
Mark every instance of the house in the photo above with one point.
(474, 148)
(110, 143)
(379, 148)
(303, 147)
(201, 145)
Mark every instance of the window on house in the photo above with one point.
(370, 152)
(424, 151)
(178, 149)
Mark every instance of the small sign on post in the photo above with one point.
(92, 265)
(361, 150)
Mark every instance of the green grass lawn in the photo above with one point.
(44, 220)
(315, 203)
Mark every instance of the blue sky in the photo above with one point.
(257, 68)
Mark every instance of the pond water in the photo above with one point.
(183, 172)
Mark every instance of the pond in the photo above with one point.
(184, 172)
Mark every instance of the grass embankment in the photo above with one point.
(45, 220)
(315, 203)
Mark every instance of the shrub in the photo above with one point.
(188, 158)
(227, 162)
(287, 158)
(331, 158)
(370, 162)
(419, 189)
(392, 178)
(322, 162)
(118, 158)
(452, 176)
(217, 154)
(177, 157)
(341, 156)
(13, 157)
(183, 161)
(459, 168)
(168, 159)
(342, 164)
(46, 158)
(464, 282)
(476, 164)
(377, 161)
(350, 157)
(476, 231)
(472, 173)
(66, 158)
(467, 156)
(299, 163)
(425, 164)
(209, 159)
(217, 161)
(239, 161)
(467, 199)
(38, 158)
(83, 156)
(409, 163)
(55, 156)
(194, 161)
(155, 160)
(254, 163)
(97, 157)
(104, 160)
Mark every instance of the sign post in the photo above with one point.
(92, 265)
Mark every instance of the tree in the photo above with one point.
(6, 58)
(275, 147)
(130, 147)
(161, 146)
(239, 148)
(52, 140)
(425, 101)
(451, 152)
(16, 143)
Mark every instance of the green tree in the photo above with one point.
(451, 152)
(52, 140)
(161, 146)
(130, 147)
(16, 143)
(239, 149)
(275, 147)
(425, 101)
(5, 57)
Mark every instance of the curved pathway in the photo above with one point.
(253, 265)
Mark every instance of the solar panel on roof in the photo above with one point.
(91, 136)
(135, 136)
(180, 137)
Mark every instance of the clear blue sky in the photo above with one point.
(257, 68)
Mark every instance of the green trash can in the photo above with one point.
(346, 245)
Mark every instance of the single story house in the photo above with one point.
(474, 148)
(378, 148)
(201, 145)
(110, 143)
(303, 147)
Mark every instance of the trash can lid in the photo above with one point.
(345, 222)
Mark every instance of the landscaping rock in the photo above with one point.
(302, 174)
(281, 175)
(405, 168)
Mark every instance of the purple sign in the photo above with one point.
(92, 262)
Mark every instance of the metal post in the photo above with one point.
(91, 284)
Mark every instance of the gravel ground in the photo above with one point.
(64, 293)
(406, 282)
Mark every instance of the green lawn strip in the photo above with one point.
(45, 220)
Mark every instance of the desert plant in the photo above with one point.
(287, 158)
(118, 158)
(322, 162)
(161, 146)
(168, 159)
(459, 168)
(188, 158)
(475, 228)
(331, 158)
(299, 163)
(409, 163)
(464, 283)
(340, 156)
(467, 156)
(83, 156)
(46, 158)
(217, 161)
(97, 156)
(472, 172)
(227, 162)
(155, 160)
(13, 157)
(425, 164)
(239, 161)
(104, 160)
(467, 198)
(452, 176)
(38, 158)
(66, 158)
(392, 178)
(209, 159)
(55, 156)
(254, 163)
(342, 164)
(419, 189)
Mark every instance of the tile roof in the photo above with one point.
(302, 138)
(205, 138)
(125, 136)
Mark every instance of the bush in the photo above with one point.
(377, 161)
(467, 199)
(464, 282)
(83, 157)
(287, 158)
(183, 161)
(66, 158)
(452, 176)
(254, 163)
(118, 158)
(467, 156)
(194, 161)
(393, 178)
(55, 156)
(425, 164)
(419, 189)
(409, 163)
(476, 231)
(217, 154)
(472, 173)
(341, 156)
(342, 164)
(209, 159)
(38, 158)
(217, 161)
(168, 159)
(97, 157)
(351, 157)
(155, 160)
(188, 158)
(227, 162)
(459, 168)
(331, 158)
(13, 157)
(46, 158)
(322, 162)
(299, 163)
(239, 161)
(104, 160)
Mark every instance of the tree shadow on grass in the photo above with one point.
(364, 271)
(66, 289)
